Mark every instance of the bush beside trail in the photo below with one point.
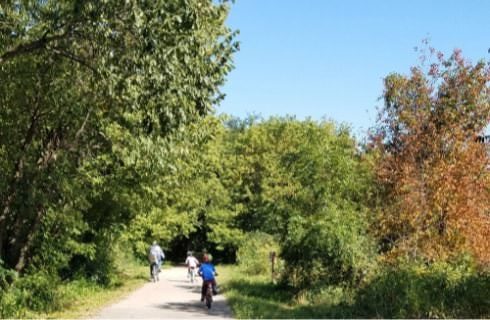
(408, 290)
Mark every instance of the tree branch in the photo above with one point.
(30, 47)
(80, 131)
(73, 57)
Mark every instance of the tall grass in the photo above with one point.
(435, 291)
(407, 291)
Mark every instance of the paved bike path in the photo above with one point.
(173, 297)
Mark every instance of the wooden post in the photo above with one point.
(272, 257)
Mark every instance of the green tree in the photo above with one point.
(83, 85)
(305, 183)
(191, 208)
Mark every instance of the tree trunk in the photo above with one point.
(23, 254)
(18, 173)
(25, 241)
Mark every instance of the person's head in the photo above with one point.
(189, 253)
(155, 243)
(205, 258)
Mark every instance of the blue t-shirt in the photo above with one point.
(207, 271)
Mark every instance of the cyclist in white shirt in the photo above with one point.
(192, 264)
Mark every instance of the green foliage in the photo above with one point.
(418, 291)
(254, 295)
(253, 255)
(8, 303)
(7, 276)
(38, 291)
(100, 267)
(106, 144)
(304, 182)
(272, 176)
(39, 294)
(90, 92)
(93, 94)
(331, 247)
(406, 291)
(190, 208)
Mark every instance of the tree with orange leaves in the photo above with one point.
(432, 169)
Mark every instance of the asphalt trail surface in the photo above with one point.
(173, 297)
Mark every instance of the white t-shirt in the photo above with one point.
(191, 262)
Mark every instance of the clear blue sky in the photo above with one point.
(327, 58)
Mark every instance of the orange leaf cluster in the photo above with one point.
(433, 171)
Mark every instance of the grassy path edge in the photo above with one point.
(84, 299)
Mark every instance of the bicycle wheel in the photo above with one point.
(209, 296)
(192, 275)
(154, 272)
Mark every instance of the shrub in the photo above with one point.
(253, 255)
(328, 248)
(426, 291)
(99, 266)
(7, 276)
(8, 303)
(38, 291)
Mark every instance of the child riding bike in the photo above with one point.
(192, 264)
(208, 273)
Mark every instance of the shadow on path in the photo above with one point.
(219, 308)
(173, 297)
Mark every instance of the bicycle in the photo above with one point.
(154, 272)
(208, 298)
(191, 273)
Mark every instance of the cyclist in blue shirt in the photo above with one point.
(208, 273)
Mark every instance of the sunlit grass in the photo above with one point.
(82, 298)
(393, 293)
